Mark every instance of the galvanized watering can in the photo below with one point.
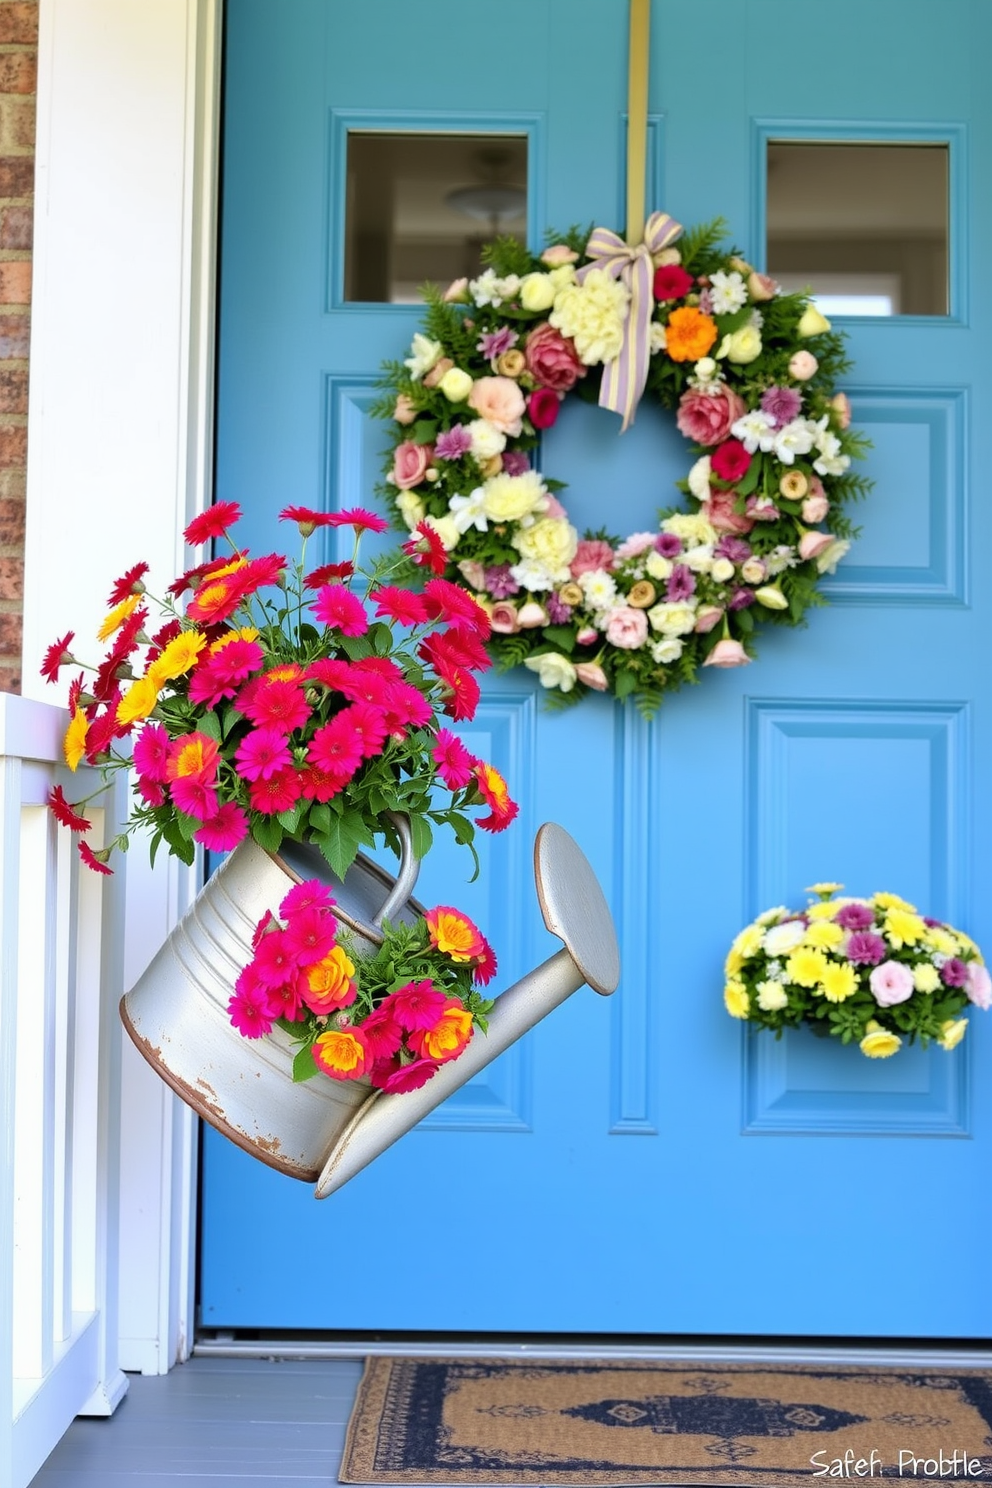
(324, 1131)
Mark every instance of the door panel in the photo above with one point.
(642, 1164)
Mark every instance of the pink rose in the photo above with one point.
(433, 377)
(812, 544)
(503, 618)
(404, 412)
(706, 418)
(531, 615)
(719, 512)
(727, 653)
(542, 407)
(762, 509)
(979, 985)
(558, 254)
(552, 359)
(802, 365)
(591, 554)
(706, 617)
(457, 290)
(627, 628)
(473, 573)
(890, 983)
(554, 507)
(587, 636)
(815, 508)
(842, 404)
(410, 463)
(761, 286)
(592, 675)
(637, 542)
(499, 400)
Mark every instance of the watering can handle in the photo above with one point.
(409, 870)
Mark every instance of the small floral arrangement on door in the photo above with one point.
(869, 971)
(273, 700)
(395, 1015)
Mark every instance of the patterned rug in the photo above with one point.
(479, 1421)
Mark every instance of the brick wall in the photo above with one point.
(18, 70)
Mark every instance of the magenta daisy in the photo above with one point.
(446, 601)
(398, 1078)
(275, 793)
(416, 1005)
(248, 1008)
(310, 933)
(211, 523)
(337, 747)
(453, 761)
(151, 753)
(224, 830)
(262, 754)
(401, 605)
(337, 607)
(359, 518)
(311, 894)
(278, 705)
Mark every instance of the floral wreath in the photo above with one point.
(750, 371)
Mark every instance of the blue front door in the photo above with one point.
(644, 1166)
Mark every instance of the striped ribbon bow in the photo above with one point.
(625, 377)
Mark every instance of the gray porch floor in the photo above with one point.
(210, 1422)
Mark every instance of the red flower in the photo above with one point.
(276, 793)
(671, 282)
(320, 785)
(327, 573)
(402, 605)
(495, 792)
(461, 694)
(211, 523)
(450, 602)
(458, 646)
(128, 583)
(92, 860)
(485, 967)
(262, 571)
(306, 519)
(360, 519)
(426, 548)
(64, 811)
(278, 705)
(57, 655)
(730, 460)
(543, 407)
(337, 607)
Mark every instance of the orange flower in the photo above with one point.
(447, 1038)
(328, 983)
(496, 794)
(453, 934)
(192, 754)
(689, 334)
(341, 1053)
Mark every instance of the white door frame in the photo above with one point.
(120, 432)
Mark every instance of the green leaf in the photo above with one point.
(747, 485)
(290, 820)
(320, 816)
(421, 836)
(267, 832)
(561, 635)
(625, 683)
(340, 844)
(304, 1065)
(178, 844)
(423, 431)
(210, 725)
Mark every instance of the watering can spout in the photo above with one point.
(574, 909)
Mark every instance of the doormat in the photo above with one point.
(480, 1421)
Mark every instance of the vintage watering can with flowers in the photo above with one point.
(306, 1005)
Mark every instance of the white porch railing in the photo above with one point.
(61, 942)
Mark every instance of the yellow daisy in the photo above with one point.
(825, 934)
(902, 928)
(115, 619)
(806, 966)
(892, 901)
(74, 744)
(736, 1000)
(839, 981)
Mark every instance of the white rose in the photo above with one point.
(487, 440)
(666, 651)
(508, 498)
(657, 567)
(830, 557)
(456, 385)
(722, 570)
(699, 478)
(673, 619)
(743, 345)
(553, 669)
(772, 996)
(699, 559)
(411, 508)
(553, 541)
(780, 939)
(537, 291)
(753, 571)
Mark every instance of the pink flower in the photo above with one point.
(727, 653)
(671, 282)
(706, 617)
(337, 607)
(706, 418)
(979, 985)
(401, 605)
(277, 704)
(627, 628)
(591, 554)
(532, 615)
(503, 617)
(499, 400)
(224, 830)
(397, 1078)
(719, 512)
(543, 407)
(552, 359)
(637, 542)
(310, 894)
(410, 463)
(457, 290)
(336, 748)
(842, 404)
(405, 411)
(559, 254)
(416, 1005)
(437, 372)
(310, 934)
(195, 796)
(730, 461)
(382, 1034)
(248, 1008)
(151, 753)
(812, 544)
(446, 601)
(452, 759)
(591, 674)
(274, 961)
(262, 753)
(815, 508)
(890, 983)
(275, 793)
(587, 636)
(761, 286)
(802, 365)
